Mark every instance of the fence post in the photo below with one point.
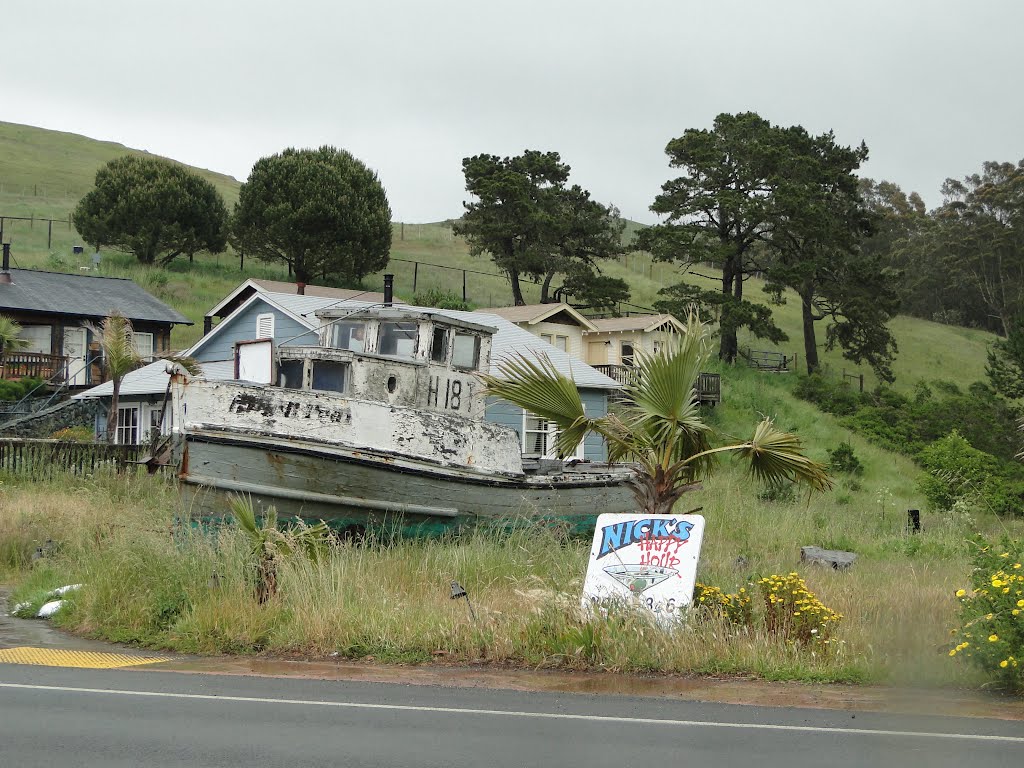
(49, 233)
(415, 274)
(401, 224)
(464, 285)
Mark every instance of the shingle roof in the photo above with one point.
(634, 323)
(535, 313)
(58, 293)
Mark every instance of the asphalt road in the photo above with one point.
(74, 717)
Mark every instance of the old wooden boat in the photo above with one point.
(379, 425)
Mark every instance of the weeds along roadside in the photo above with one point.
(190, 591)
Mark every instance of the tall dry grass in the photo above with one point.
(160, 585)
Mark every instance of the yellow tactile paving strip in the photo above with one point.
(55, 657)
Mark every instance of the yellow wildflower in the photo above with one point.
(1003, 663)
(993, 638)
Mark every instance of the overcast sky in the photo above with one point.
(413, 87)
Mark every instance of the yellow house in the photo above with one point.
(614, 341)
(558, 324)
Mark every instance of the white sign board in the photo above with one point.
(649, 560)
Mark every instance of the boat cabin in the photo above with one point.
(395, 356)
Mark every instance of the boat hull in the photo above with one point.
(354, 490)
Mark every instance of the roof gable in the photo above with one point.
(531, 314)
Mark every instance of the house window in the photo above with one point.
(546, 337)
(628, 357)
(156, 424)
(329, 376)
(538, 437)
(397, 340)
(128, 426)
(439, 345)
(658, 346)
(349, 335)
(143, 343)
(466, 350)
(562, 342)
(289, 374)
(37, 338)
(265, 326)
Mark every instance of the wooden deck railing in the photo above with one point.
(40, 459)
(709, 385)
(17, 365)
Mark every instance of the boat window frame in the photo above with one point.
(476, 351)
(336, 327)
(302, 372)
(383, 331)
(346, 375)
(445, 333)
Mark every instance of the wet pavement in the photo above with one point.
(962, 703)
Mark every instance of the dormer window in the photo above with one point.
(397, 340)
(349, 335)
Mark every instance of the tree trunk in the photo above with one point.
(545, 287)
(517, 291)
(728, 346)
(810, 344)
(115, 399)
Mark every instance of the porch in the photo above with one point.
(708, 385)
(18, 365)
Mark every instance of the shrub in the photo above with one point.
(435, 297)
(843, 459)
(75, 434)
(793, 612)
(736, 608)
(991, 635)
(12, 391)
(956, 470)
(780, 493)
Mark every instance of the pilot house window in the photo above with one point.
(349, 335)
(466, 350)
(329, 376)
(289, 374)
(439, 345)
(397, 340)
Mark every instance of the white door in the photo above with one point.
(75, 350)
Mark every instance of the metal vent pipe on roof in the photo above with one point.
(5, 275)
(389, 290)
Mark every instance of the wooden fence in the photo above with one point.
(41, 459)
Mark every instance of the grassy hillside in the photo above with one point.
(45, 172)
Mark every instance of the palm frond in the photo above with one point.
(775, 457)
(537, 386)
(116, 338)
(10, 331)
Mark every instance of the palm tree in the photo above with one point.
(660, 428)
(119, 358)
(10, 339)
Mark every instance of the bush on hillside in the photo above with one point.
(958, 471)
(12, 391)
(435, 297)
(843, 459)
(991, 634)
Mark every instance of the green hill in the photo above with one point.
(43, 173)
